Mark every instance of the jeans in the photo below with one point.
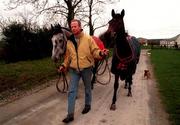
(74, 83)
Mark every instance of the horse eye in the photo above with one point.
(55, 45)
(56, 42)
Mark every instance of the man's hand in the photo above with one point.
(61, 69)
(104, 52)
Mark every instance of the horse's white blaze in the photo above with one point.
(58, 41)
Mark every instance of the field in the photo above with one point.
(167, 71)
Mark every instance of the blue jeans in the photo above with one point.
(74, 83)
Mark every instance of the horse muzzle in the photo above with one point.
(54, 59)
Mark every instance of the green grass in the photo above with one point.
(25, 75)
(167, 71)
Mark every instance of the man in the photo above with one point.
(79, 59)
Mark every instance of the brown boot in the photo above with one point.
(69, 118)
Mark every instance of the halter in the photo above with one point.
(127, 59)
(65, 41)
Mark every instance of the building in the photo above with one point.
(178, 40)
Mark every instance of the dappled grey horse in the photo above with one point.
(59, 41)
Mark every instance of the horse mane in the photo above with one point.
(67, 29)
(104, 37)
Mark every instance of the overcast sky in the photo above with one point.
(150, 18)
(146, 18)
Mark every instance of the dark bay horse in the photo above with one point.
(126, 53)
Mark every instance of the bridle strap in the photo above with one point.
(127, 59)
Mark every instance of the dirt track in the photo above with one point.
(48, 107)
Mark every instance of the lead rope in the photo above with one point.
(106, 67)
(63, 87)
(62, 83)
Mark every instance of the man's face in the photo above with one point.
(75, 28)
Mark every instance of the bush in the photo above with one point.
(24, 43)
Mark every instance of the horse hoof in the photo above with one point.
(113, 107)
(93, 81)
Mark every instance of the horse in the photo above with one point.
(59, 38)
(126, 52)
(60, 35)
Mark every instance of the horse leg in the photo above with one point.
(129, 80)
(94, 70)
(93, 78)
(116, 85)
(126, 84)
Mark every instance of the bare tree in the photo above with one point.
(4, 22)
(93, 14)
(94, 11)
(66, 10)
(27, 18)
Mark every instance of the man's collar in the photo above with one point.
(79, 35)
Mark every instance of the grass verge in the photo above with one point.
(24, 75)
(166, 65)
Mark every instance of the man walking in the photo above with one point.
(79, 59)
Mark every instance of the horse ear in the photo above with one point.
(123, 13)
(112, 13)
(59, 25)
(52, 26)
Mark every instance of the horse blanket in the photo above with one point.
(125, 67)
(98, 42)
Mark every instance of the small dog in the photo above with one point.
(147, 74)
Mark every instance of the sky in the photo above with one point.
(150, 19)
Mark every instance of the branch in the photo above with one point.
(100, 26)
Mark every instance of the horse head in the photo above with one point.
(116, 24)
(115, 29)
(59, 40)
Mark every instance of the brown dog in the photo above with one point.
(147, 74)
